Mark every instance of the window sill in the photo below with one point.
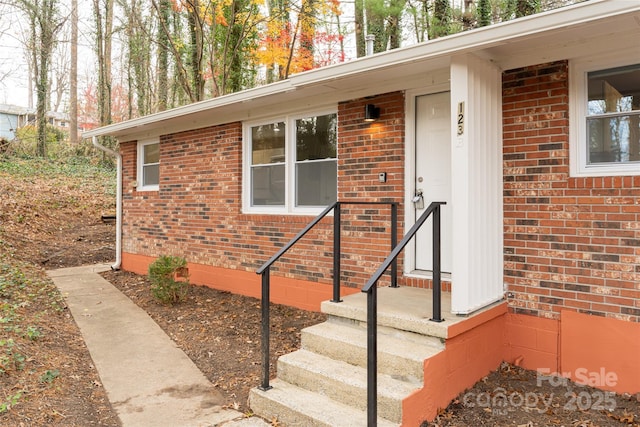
(283, 212)
(603, 171)
(148, 189)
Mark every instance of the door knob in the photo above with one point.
(418, 199)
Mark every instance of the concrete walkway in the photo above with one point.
(148, 379)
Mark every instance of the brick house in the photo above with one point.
(506, 124)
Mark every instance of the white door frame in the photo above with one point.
(409, 268)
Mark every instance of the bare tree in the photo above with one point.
(73, 75)
(44, 24)
(196, 57)
(164, 15)
(59, 77)
(189, 75)
(103, 13)
(4, 26)
(137, 33)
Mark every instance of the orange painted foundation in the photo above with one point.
(600, 352)
(532, 342)
(296, 293)
(471, 354)
(591, 350)
(588, 349)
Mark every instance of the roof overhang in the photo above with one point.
(585, 29)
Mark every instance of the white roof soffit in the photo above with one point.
(508, 44)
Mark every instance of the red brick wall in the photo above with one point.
(570, 243)
(364, 151)
(197, 213)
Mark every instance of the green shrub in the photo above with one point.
(49, 376)
(169, 279)
(58, 148)
(26, 141)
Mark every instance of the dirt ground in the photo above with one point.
(46, 224)
(512, 396)
(220, 332)
(47, 376)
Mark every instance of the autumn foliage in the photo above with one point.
(293, 41)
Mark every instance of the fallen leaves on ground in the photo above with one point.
(220, 332)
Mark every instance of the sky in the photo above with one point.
(13, 63)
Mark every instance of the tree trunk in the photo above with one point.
(361, 47)
(196, 47)
(307, 21)
(41, 102)
(104, 26)
(73, 76)
(393, 31)
(164, 15)
(181, 87)
(44, 25)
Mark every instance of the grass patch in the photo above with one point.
(85, 171)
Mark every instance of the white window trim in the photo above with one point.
(578, 88)
(139, 163)
(289, 207)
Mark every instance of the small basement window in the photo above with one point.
(606, 120)
(148, 165)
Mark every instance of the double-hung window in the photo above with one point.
(268, 166)
(148, 165)
(605, 120)
(291, 164)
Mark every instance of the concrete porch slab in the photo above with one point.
(410, 309)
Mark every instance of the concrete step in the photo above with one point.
(401, 354)
(292, 406)
(343, 382)
(403, 308)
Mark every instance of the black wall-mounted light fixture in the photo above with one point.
(371, 113)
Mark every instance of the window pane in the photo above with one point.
(151, 153)
(267, 185)
(615, 90)
(614, 139)
(316, 138)
(316, 183)
(267, 144)
(151, 175)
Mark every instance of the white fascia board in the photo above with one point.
(473, 40)
(234, 98)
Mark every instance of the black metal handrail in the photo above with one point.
(265, 269)
(370, 288)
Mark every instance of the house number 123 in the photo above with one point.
(460, 118)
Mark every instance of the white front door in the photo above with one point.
(433, 175)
